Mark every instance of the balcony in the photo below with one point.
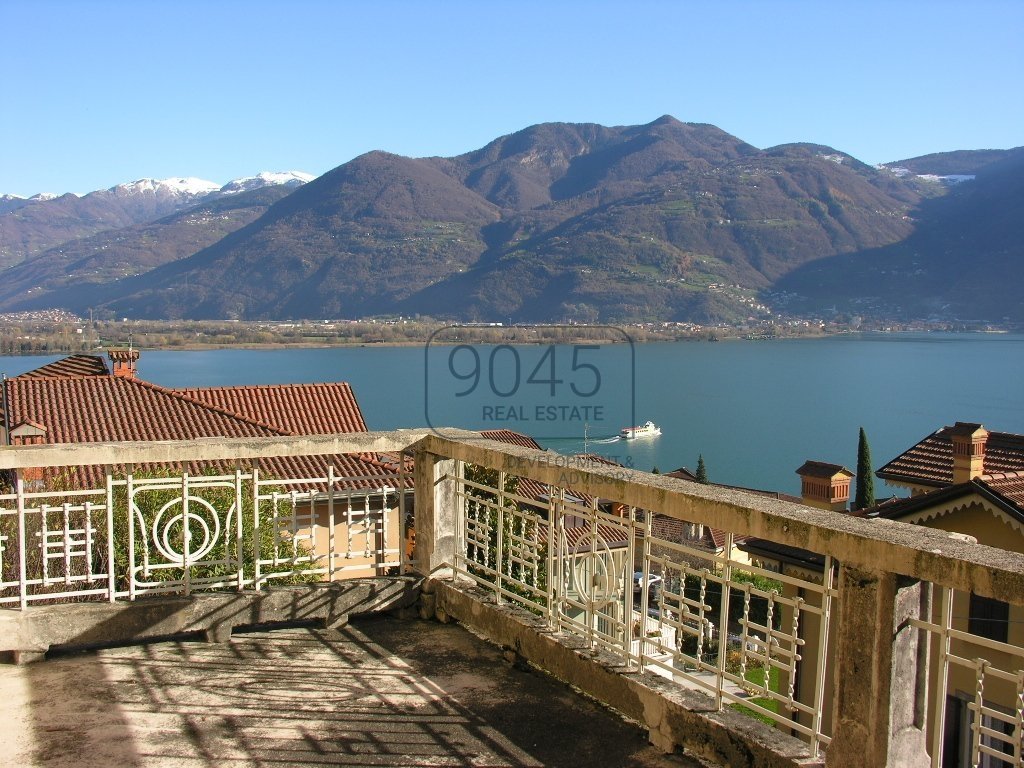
(860, 654)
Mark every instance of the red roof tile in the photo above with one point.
(930, 462)
(578, 537)
(822, 469)
(683, 474)
(675, 530)
(74, 365)
(1009, 485)
(511, 438)
(90, 409)
(595, 458)
(301, 409)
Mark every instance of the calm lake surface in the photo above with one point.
(755, 409)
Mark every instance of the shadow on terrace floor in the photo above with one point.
(380, 692)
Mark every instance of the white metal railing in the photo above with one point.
(573, 562)
(977, 712)
(562, 541)
(159, 531)
(768, 643)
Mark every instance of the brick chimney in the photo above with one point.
(968, 451)
(123, 361)
(29, 433)
(825, 486)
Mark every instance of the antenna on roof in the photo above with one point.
(585, 426)
(129, 341)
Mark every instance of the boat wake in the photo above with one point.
(608, 440)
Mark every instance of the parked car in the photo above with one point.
(654, 583)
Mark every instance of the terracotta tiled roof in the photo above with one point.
(683, 474)
(668, 528)
(1009, 485)
(577, 538)
(673, 529)
(930, 462)
(538, 491)
(822, 469)
(91, 409)
(74, 365)
(717, 537)
(511, 438)
(594, 458)
(301, 409)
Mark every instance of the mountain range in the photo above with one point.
(663, 221)
(31, 226)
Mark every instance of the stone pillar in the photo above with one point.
(437, 513)
(880, 686)
(908, 711)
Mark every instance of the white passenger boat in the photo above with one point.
(648, 429)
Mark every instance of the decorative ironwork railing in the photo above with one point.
(657, 604)
(976, 715)
(164, 531)
(830, 648)
(756, 635)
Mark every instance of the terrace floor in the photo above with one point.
(382, 691)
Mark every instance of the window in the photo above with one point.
(989, 618)
(958, 744)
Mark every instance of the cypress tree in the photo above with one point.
(702, 471)
(865, 480)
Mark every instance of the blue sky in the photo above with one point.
(97, 93)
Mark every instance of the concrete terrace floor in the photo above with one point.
(380, 692)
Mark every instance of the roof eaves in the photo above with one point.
(902, 508)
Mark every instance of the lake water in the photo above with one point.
(755, 409)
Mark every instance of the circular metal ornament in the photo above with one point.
(592, 571)
(190, 525)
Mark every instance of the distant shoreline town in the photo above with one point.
(59, 332)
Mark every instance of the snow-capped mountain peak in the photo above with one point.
(184, 189)
(188, 187)
(266, 179)
(10, 203)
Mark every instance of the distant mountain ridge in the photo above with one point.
(964, 261)
(967, 162)
(83, 272)
(33, 225)
(558, 221)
